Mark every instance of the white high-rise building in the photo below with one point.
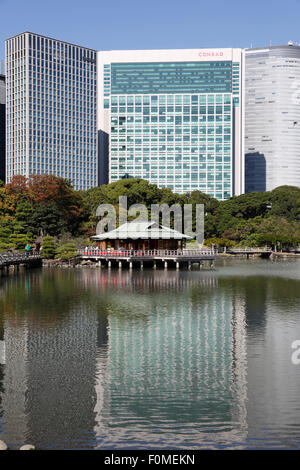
(174, 118)
(272, 123)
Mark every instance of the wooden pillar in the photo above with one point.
(109, 263)
(154, 264)
(142, 265)
(189, 265)
(120, 264)
(130, 264)
(166, 264)
(177, 264)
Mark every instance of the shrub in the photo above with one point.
(66, 251)
(48, 247)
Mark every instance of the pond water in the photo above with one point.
(92, 358)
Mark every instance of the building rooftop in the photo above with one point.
(144, 230)
(52, 39)
(263, 48)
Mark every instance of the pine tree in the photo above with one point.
(48, 248)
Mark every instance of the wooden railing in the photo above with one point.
(249, 250)
(11, 258)
(146, 253)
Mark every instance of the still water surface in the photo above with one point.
(157, 360)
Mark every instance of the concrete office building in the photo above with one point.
(272, 117)
(2, 126)
(51, 109)
(173, 117)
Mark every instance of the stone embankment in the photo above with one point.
(73, 263)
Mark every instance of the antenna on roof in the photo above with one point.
(270, 42)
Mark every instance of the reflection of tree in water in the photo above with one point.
(253, 292)
(44, 297)
(258, 292)
(1, 365)
(283, 290)
(51, 334)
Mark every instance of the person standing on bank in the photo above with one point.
(27, 249)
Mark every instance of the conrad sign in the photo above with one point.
(211, 54)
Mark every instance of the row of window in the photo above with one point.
(171, 77)
(170, 100)
(170, 110)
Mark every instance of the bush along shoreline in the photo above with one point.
(45, 211)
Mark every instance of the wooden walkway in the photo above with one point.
(19, 259)
(179, 257)
(264, 252)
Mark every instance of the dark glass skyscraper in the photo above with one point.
(51, 109)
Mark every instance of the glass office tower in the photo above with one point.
(272, 124)
(51, 109)
(174, 118)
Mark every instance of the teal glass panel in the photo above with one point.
(171, 77)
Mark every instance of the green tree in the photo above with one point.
(46, 219)
(18, 241)
(48, 247)
(67, 251)
(285, 202)
(24, 212)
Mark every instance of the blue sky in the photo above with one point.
(154, 24)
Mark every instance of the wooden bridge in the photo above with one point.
(179, 257)
(263, 252)
(19, 259)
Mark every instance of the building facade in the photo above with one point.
(2, 127)
(51, 102)
(174, 118)
(272, 118)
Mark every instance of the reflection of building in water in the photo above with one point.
(14, 383)
(2, 344)
(2, 362)
(274, 381)
(2, 352)
(184, 360)
(48, 385)
(146, 354)
(255, 305)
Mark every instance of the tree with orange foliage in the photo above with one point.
(56, 206)
(18, 185)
